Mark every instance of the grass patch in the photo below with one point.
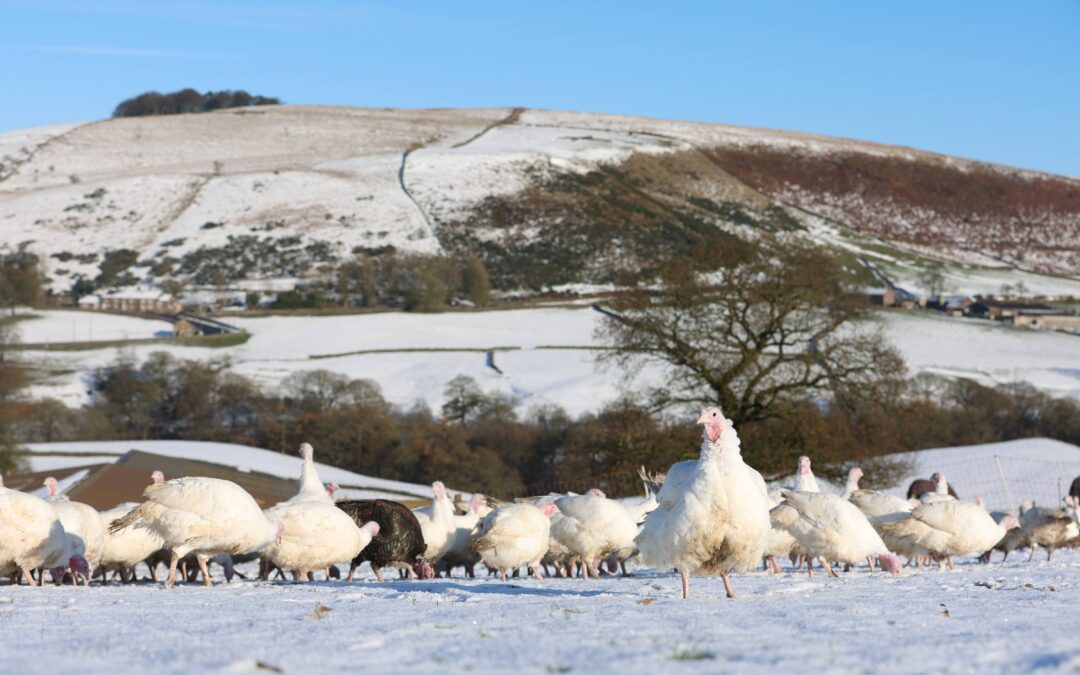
(16, 318)
(212, 341)
(692, 654)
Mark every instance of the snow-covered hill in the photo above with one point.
(545, 197)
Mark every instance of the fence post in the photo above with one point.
(1008, 492)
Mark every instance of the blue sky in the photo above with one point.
(991, 80)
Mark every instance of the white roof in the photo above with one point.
(138, 294)
(242, 457)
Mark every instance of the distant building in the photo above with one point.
(1069, 323)
(184, 328)
(142, 299)
(894, 296)
(92, 301)
(998, 310)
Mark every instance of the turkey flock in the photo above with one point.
(711, 516)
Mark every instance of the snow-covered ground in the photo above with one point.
(63, 326)
(548, 358)
(1002, 618)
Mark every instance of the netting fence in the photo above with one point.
(1004, 481)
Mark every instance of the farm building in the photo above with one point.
(997, 310)
(1069, 323)
(133, 300)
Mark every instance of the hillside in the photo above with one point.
(544, 356)
(545, 198)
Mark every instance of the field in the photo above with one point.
(1002, 618)
(545, 355)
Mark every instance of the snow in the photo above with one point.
(67, 326)
(335, 177)
(985, 351)
(546, 355)
(244, 458)
(1002, 618)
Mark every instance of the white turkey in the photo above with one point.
(832, 529)
(780, 542)
(959, 528)
(81, 521)
(852, 484)
(638, 508)
(514, 536)
(880, 507)
(593, 526)
(458, 551)
(126, 548)
(804, 477)
(940, 493)
(316, 535)
(713, 516)
(437, 523)
(311, 488)
(32, 537)
(205, 516)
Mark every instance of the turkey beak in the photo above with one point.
(702, 419)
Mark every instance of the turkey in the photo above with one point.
(941, 492)
(123, 550)
(852, 482)
(437, 523)
(780, 542)
(958, 528)
(921, 486)
(81, 521)
(638, 508)
(1048, 527)
(205, 516)
(399, 543)
(832, 529)
(316, 535)
(804, 477)
(32, 537)
(879, 507)
(713, 516)
(1015, 538)
(459, 552)
(593, 526)
(311, 488)
(513, 536)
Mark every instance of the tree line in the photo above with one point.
(481, 441)
(188, 101)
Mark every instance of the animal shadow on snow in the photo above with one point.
(482, 588)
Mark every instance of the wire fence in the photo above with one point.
(1007, 481)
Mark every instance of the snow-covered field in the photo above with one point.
(1002, 618)
(548, 357)
(65, 326)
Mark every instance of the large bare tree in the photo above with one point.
(760, 330)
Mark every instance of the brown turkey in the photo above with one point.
(921, 486)
(399, 543)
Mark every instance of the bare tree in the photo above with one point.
(759, 331)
